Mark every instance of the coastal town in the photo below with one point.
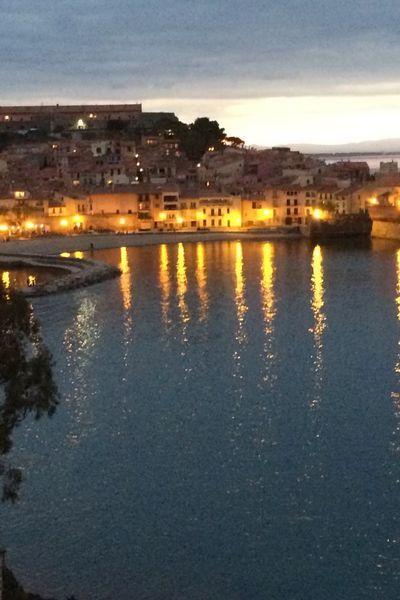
(116, 168)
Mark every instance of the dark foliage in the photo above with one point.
(26, 380)
(195, 138)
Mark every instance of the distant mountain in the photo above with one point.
(388, 146)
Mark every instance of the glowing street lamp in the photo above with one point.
(317, 214)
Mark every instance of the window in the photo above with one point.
(117, 211)
(212, 222)
(204, 222)
(288, 211)
(295, 201)
(253, 205)
(219, 212)
(288, 202)
(228, 223)
(193, 205)
(219, 222)
(193, 223)
(212, 212)
(296, 211)
(228, 210)
(204, 211)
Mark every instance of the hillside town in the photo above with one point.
(117, 168)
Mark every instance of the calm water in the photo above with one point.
(20, 278)
(229, 429)
(373, 160)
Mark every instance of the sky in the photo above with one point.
(270, 71)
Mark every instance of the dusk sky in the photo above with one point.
(272, 72)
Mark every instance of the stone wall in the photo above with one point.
(386, 229)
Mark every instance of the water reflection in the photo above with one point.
(181, 280)
(5, 278)
(126, 290)
(165, 283)
(125, 279)
(317, 305)
(269, 309)
(80, 341)
(201, 277)
(240, 301)
(241, 339)
(396, 395)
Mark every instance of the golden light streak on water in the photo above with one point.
(268, 304)
(5, 278)
(241, 307)
(80, 342)
(241, 339)
(181, 280)
(78, 254)
(126, 290)
(317, 305)
(165, 284)
(31, 280)
(125, 279)
(201, 277)
(396, 394)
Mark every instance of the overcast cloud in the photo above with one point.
(135, 50)
(219, 48)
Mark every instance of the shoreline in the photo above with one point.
(77, 273)
(54, 245)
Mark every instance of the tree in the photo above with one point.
(234, 141)
(27, 386)
(202, 134)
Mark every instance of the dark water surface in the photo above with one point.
(22, 277)
(229, 429)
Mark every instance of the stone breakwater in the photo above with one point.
(73, 272)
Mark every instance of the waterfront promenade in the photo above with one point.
(71, 243)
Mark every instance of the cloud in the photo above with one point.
(226, 49)
(227, 58)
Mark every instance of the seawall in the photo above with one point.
(389, 230)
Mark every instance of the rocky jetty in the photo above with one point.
(70, 273)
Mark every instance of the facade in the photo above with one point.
(69, 116)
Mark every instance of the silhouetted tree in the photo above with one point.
(234, 141)
(202, 134)
(26, 379)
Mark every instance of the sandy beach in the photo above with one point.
(54, 245)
